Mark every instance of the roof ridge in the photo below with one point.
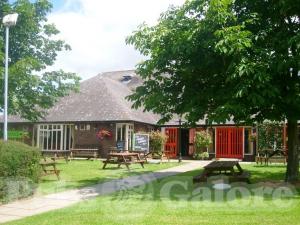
(117, 71)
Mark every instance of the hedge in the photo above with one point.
(19, 170)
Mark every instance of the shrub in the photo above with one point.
(157, 141)
(202, 155)
(19, 170)
(202, 140)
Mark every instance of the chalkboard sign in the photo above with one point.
(141, 142)
(120, 145)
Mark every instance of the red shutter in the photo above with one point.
(229, 142)
(171, 144)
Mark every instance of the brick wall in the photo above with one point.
(88, 138)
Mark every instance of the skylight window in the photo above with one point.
(126, 79)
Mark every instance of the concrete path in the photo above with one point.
(36, 205)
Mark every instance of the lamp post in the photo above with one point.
(8, 21)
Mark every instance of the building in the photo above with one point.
(100, 108)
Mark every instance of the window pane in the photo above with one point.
(119, 134)
(123, 132)
(45, 140)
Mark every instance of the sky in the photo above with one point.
(96, 31)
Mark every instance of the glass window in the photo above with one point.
(53, 137)
(82, 127)
(124, 133)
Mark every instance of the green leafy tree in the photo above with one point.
(32, 48)
(224, 59)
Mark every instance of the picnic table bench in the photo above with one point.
(45, 167)
(267, 156)
(123, 158)
(55, 154)
(223, 168)
(159, 155)
(85, 152)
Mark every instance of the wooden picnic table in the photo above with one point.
(223, 167)
(56, 154)
(125, 158)
(270, 155)
(85, 152)
(52, 164)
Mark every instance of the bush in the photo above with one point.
(157, 141)
(19, 170)
(202, 155)
(202, 140)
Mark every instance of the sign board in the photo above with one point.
(15, 134)
(141, 142)
(120, 145)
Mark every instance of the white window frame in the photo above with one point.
(44, 129)
(84, 126)
(129, 131)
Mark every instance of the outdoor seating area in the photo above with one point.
(164, 155)
(56, 154)
(231, 169)
(268, 156)
(174, 112)
(85, 153)
(49, 168)
(123, 158)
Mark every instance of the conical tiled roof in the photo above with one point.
(101, 98)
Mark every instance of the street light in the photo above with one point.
(8, 21)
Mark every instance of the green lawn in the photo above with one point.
(175, 200)
(80, 173)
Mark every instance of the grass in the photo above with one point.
(80, 173)
(175, 200)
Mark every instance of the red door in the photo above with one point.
(229, 142)
(171, 144)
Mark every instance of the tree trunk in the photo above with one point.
(292, 171)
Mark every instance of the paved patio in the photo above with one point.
(40, 204)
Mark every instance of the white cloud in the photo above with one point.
(96, 31)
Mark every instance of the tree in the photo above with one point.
(222, 59)
(32, 48)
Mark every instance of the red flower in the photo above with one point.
(102, 133)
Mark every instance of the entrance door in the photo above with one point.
(229, 142)
(184, 145)
(171, 144)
